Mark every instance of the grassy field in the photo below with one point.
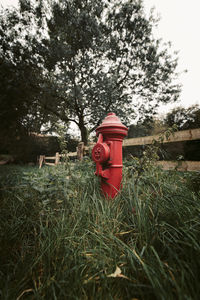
(59, 239)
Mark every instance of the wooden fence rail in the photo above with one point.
(179, 136)
(179, 165)
(45, 159)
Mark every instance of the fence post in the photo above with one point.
(80, 150)
(57, 159)
(41, 159)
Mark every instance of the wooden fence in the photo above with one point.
(79, 154)
(179, 136)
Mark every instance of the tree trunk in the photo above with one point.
(84, 134)
(84, 131)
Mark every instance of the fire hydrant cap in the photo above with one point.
(112, 122)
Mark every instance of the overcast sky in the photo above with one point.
(180, 24)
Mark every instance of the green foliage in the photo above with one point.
(20, 72)
(23, 83)
(193, 182)
(28, 148)
(106, 55)
(184, 118)
(85, 58)
(61, 240)
(61, 130)
(139, 130)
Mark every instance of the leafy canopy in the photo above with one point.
(91, 57)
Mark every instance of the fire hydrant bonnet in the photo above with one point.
(112, 124)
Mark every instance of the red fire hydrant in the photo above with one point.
(107, 153)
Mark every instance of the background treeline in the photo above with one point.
(27, 148)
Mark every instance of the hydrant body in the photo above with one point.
(107, 154)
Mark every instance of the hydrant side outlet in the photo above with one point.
(107, 153)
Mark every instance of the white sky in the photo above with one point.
(180, 24)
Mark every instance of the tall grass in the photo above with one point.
(60, 239)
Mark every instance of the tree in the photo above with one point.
(184, 118)
(104, 58)
(19, 72)
(141, 128)
(22, 81)
(92, 57)
(24, 87)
